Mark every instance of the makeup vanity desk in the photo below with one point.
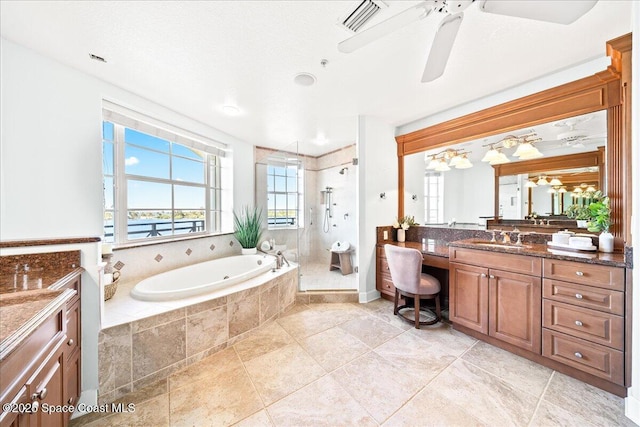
(569, 311)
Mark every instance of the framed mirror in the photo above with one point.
(467, 193)
(602, 91)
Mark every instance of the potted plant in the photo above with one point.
(402, 225)
(581, 214)
(600, 221)
(248, 229)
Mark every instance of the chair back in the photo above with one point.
(405, 265)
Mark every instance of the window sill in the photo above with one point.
(130, 245)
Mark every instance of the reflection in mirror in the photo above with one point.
(447, 194)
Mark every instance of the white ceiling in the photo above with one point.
(195, 56)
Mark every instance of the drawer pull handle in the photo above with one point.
(578, 323)
(578, 354)
(579, 273)
(483, 275)
(70, 342)
(70, 401)
(579, 296)
(491, 276)
(40, 395)
(35, 405)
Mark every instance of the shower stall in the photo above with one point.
(310, 206)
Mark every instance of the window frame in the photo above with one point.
(299, 193)
(438, 177)
(211, 186)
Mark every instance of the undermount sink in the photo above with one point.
(499, 245)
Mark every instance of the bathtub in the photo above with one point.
(202, 278)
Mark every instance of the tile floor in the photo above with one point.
(358, 365)
(316, 277)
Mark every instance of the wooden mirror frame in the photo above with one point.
(608, 90)
(569, 161)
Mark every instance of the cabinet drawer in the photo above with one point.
(601, 276)
(601, 361)
(602, 328)
(383, 266)
(507, 262)
(73, 329)
(386, 285)
(584, 296)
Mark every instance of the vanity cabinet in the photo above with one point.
(583, 317)
(34, 374)
(72, 346)
(498, 295)
(45, 367)
(384, 284)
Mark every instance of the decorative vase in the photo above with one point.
(581, 223)
(605, 242)
(401, 234)
(249, 251)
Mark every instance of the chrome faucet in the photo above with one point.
(506, 239)
(280, 259)
(520, 236)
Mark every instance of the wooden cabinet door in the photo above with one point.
(515, 309)
(468, 299)
(48, 383)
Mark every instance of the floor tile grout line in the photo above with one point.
(546, 387)
(244, 367)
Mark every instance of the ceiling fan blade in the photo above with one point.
(441, 48)
(559, 12)
(419, 11)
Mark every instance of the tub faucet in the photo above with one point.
(506, 239)
(280, 259)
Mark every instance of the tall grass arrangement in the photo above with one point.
(248, 227)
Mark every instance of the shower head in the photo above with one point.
(343, 170)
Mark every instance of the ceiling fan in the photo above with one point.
(556, 11)
(576, 138)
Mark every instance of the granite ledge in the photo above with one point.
(543, 251)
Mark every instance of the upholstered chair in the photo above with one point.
(405, 265)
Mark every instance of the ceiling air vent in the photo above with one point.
(365, 10)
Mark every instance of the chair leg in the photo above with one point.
(395, 303)
(438, 315)
(416, 303)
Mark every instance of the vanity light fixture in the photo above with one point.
(445, 160)
(562, 189)
(530, 183)
(590, 189)
(542, 180)
(551, 190)
(492, 154)
(442, 166)
(500, 159)
(555, 182)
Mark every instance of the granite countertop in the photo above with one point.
(440, 248)
(433, 247)
(26, 300)
(544, 251)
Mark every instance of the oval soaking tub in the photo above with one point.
(201, 278)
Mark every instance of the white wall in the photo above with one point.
(377, 173)
(51, 165)
(414, 168)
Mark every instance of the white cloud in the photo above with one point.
(131, 161)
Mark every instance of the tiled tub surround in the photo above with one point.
(170, 335)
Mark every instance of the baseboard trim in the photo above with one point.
(368, 296)
(632, 406)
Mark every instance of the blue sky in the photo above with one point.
(139, 160)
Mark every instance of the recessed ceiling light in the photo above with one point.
(230, 110)
(304, 79)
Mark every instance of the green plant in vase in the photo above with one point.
(600, 221)
(248, 228)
